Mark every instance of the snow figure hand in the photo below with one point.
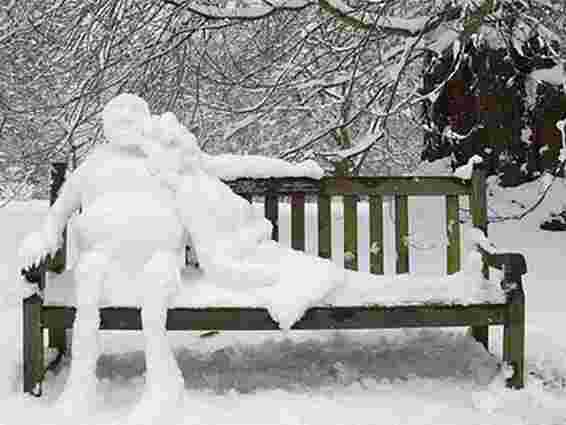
(35, 247)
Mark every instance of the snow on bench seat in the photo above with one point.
(360, 289)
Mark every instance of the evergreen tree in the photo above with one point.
(502, 100)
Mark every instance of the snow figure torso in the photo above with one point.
(126, 210)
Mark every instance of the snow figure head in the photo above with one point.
(176, 134)
(169, 126)
(175, 138)
(124, 119)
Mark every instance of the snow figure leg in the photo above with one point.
(164, 384)
(80, 389)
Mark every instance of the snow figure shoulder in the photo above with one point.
(224, 228)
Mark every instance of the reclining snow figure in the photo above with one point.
(141, 195)
(232, 240)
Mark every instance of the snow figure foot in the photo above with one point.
(80, 389)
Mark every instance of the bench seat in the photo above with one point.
(364, 301)
(360, 289)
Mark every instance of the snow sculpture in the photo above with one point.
(128, 227)
(144, 196)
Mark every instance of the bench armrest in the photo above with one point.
(513, 265)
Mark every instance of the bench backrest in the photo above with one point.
(351, 189)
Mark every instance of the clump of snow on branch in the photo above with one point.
(545, 182)
(360, 145)
(555, 75)
(465, 171)
(442, 38)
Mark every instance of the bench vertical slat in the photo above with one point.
(324, 227)
(350, 232)
(272, 214)
(453, 259)
(298, 221)
(376, 234)
(57, 337)
(478, 206)
(402, 233)
(58, 169)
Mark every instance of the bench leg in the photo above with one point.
(514, 343)
(32, 344)
(481, 335)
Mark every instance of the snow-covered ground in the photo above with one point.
(411, 377)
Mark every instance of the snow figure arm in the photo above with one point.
(231, 167)
(224, 238)
(248, 237)
(37, 245)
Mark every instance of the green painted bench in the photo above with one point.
(510, 315)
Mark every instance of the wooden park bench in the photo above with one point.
(511, 314)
